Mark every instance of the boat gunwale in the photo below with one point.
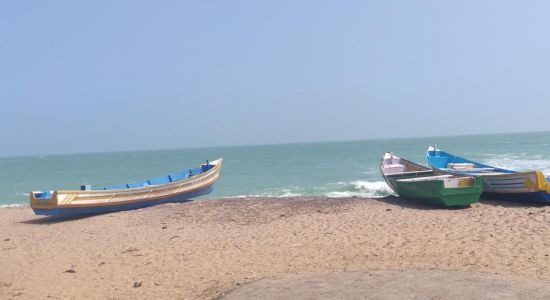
(516, 173)
(148, 191)
(434, 149)
(402, 178)
(430, 168)
(110, 203)
(186, 181)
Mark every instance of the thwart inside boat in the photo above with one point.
(449, 181)
(394, 166)
(446, 161)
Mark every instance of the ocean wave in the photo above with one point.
(266, 195)
(367, 189)
(10, 205)
(15, 200)
(522, 162)
(364, 189)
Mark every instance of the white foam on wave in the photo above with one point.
(266, 195)
(521, 162)
(230, 197)
(15, 203)
(358, 188)
(367, 189)
(10, 205)
(288, 194)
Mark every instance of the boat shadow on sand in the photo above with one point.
(511, 203)
(59, 219)
(415, 204)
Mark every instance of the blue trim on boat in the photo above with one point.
(505, 187)
(441, 159)
(137, 184)
(534, 197)
(128, 206)
(43, 195)
(158, 180)
(513, 178)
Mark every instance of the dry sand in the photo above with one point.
(204, 249)
(394, 285)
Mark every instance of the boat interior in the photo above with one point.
(159, 180)
(395, 166)
(447, 161)
(449, 181)
(139, 184)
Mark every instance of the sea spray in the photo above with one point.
(370, 189)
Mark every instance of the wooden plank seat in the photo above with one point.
(426, 178)
(417, 172)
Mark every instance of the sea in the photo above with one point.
(331, 169)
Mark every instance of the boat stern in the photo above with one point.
(40, 201)
(436, 158)
(542, 182)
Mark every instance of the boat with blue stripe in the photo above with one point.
(177, 187)
(498, 183)
(430, 186)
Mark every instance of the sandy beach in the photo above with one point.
(216, 248)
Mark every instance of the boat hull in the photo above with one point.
(74, 211)
(435, 193)
(522, 186)
(89, 201)
(533, 197)
(498, 184)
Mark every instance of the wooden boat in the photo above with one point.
(176, 187)
(501, 184)
(431, 186)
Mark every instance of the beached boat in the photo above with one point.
(176, 187)
(431, 186)
(498, 183)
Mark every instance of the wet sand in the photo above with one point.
(211, 248)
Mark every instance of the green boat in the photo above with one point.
(434, 187)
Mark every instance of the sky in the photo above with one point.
(91, 76)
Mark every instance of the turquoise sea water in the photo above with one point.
(334, 169)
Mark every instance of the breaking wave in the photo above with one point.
(364, 189)
(370, 189)
(521, 162)
(284, 193)
(10, 205)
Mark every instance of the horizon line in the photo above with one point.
(267, 144)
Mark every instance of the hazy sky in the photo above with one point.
(86, 76)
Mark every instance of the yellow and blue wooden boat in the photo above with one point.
(498, 183)
(177, 187)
